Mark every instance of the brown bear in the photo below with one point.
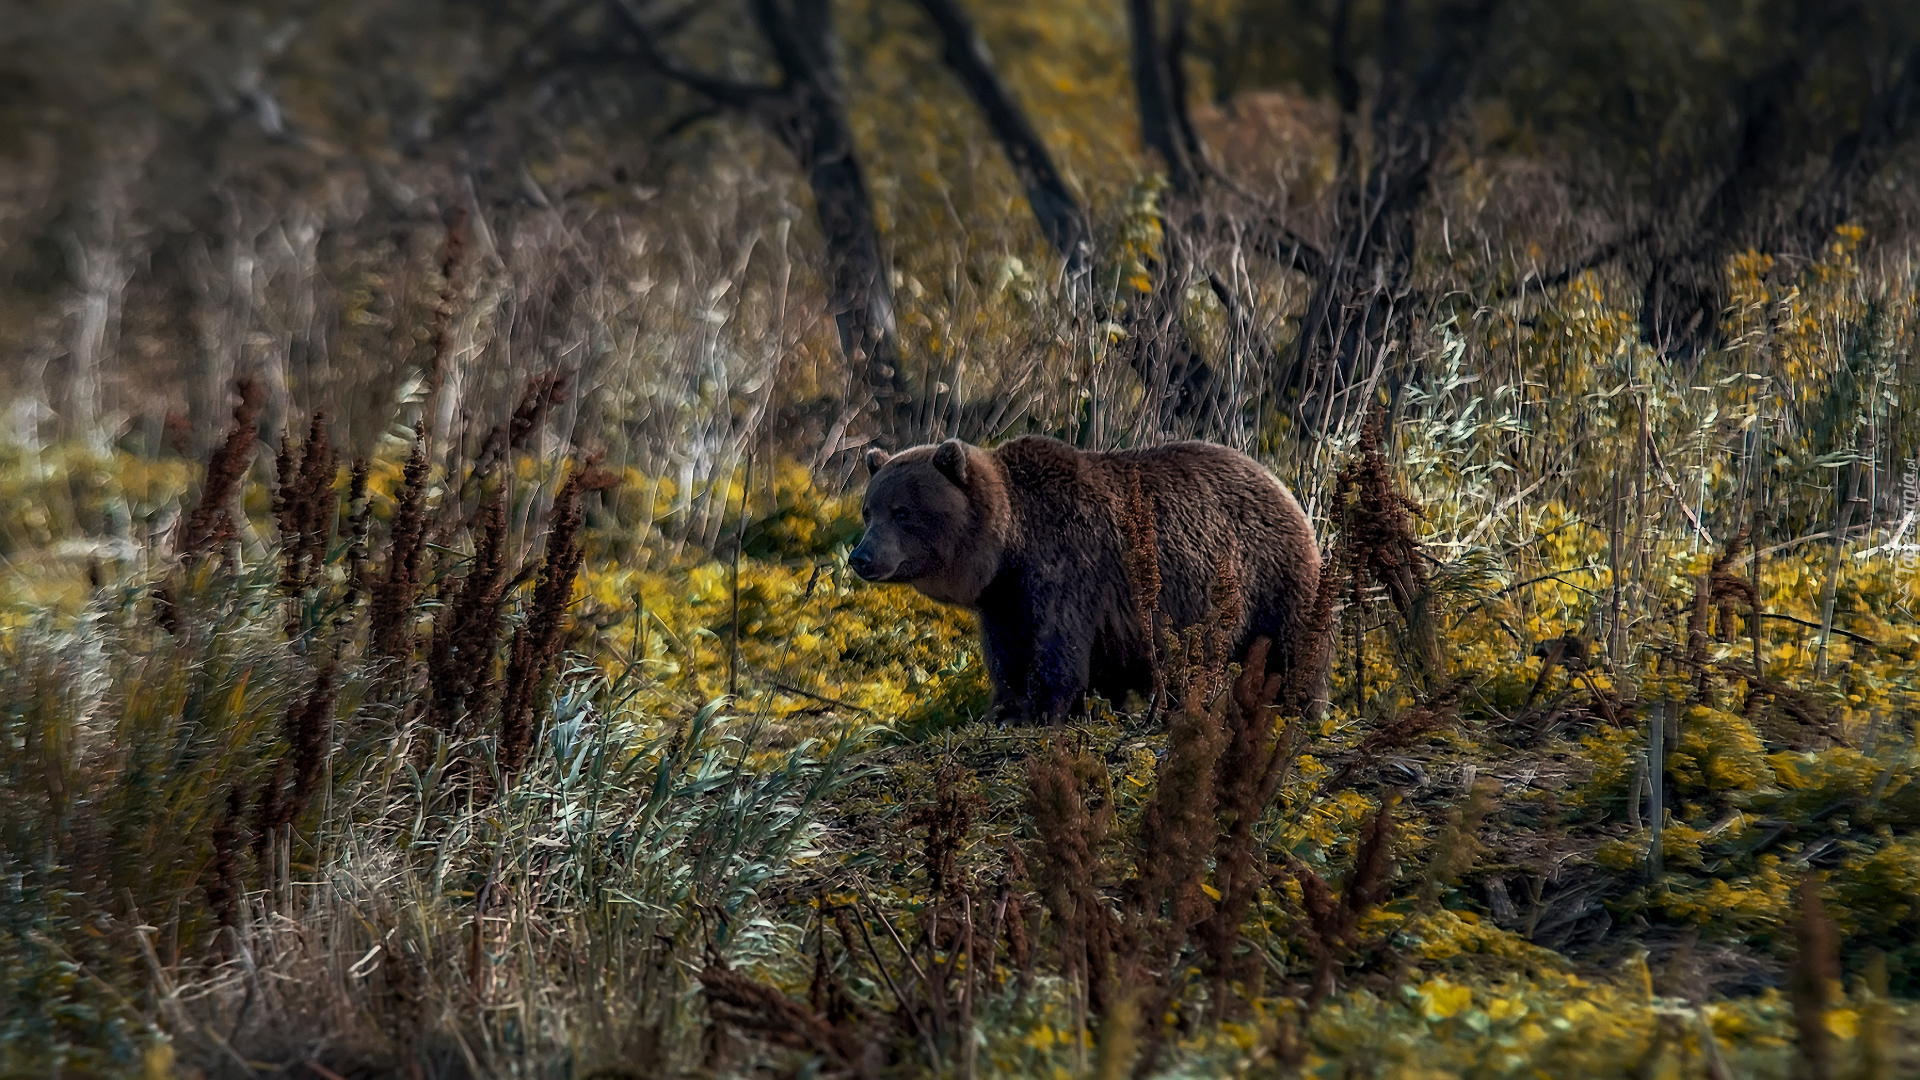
(1030, 537)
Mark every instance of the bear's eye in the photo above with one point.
(900, 514)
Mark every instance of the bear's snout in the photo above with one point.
(862, 563)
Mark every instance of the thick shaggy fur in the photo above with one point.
(1029, 537)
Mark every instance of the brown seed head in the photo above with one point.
(211, 527)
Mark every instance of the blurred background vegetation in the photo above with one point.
(516, 718)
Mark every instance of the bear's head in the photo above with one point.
(937, 520)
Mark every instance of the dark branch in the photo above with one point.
(745, 96)
(790, 50)
(527, 65)
(1293, 252)
(1599, 256)
(1176, 67)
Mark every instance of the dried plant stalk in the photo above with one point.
(390, 631)
(1717, 591)
(359, 526)
(308, 728)
(460, 662)
(223, 886)
(1074, 823)
(1380, 546)
(1142, 566)
(304, 504)
(947, 821)
(1333, 923)
(211, 527)
(452, 257)
(1816, 967)
(537, 643)
(543, 391)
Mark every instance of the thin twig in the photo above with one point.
(789, 688)
(887, 976)
(1869, 642)
(1666, 477)
(170, 1000)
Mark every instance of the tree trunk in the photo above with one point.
(1058, 212)
(1158, 347)
(1365, 281)
(1686, 289)
(807, 112)
(1858, 155)
(813, 124)
(1163, 128)
(858, 292)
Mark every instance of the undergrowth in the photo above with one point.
(501, 763)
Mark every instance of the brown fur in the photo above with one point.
(1028, 537)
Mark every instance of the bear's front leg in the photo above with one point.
(1007, 644)
(1061, 669)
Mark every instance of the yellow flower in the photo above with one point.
(1506, 1009)
(1440, 999)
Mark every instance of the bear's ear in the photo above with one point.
(876, 459)
(951, 460)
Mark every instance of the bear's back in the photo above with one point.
(1216, 514)
(1212, 507)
